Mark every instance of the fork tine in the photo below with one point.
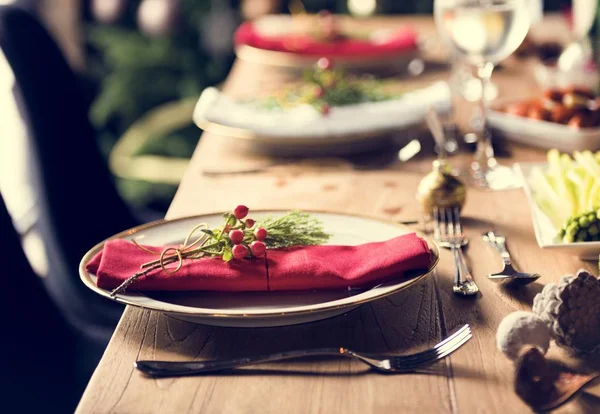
(448, 350)
(412, 365)
(435, 353)
(443, 224)
(465, 327)
(400, 365)
(440, 345)
(449, 221)
(457, 221)
(443, 346)
(436, 223)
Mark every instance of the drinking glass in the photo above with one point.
(481, 33)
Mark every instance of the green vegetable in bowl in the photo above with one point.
(582, 228)
(568, 192)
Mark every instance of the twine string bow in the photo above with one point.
(169, 255)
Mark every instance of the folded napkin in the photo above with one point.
(305, 44)
(296, 268)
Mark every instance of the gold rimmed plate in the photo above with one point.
(261, 309)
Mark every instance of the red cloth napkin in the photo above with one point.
(296, 268)
(405, 39)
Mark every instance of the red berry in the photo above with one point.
(249, 223)
(258, 248)
(240, 212)
(325, 109)
(236, 236)
(319, 92)
(239, 251)
(260, 234)
(324, 63)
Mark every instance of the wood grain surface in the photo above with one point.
(476, 379)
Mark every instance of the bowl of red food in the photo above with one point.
(567, 119)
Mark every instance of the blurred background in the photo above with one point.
(140, 59)
(134, 70)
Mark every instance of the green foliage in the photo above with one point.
(295, 228)
(182, 143)
(292, 229)
(331, 87)
(140, 73)
(137, 73)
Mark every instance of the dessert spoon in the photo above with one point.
(509, 276)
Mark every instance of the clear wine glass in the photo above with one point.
(482, 33)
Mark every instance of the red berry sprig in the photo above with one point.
(239, 251)
(237, 240)
(240, 212)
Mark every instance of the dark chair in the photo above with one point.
(78, 202)
(39, 367)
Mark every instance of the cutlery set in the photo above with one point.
(448, 233)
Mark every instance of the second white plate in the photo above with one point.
(303, 131)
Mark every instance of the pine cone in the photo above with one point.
(571, 309)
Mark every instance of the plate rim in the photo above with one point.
(330, 140)
(88, 282)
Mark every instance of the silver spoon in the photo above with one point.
(509, 276)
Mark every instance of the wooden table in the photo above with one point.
(475, 379)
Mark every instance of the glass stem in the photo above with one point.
(484, 155)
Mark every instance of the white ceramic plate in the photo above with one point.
(258, 309)
(543, 134)
(303, 130)
(545, 232)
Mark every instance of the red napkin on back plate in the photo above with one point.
(403, 40)
(295, 268)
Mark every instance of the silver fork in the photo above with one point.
(379, 362)
(509, 276)
(448, 233)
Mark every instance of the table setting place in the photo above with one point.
(475, 264)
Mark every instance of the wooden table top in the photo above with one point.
(477, 378)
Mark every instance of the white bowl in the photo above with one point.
(545, 233)
(544, 134)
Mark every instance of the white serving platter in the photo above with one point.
(545, 233)
(303, 130)
(544, 134)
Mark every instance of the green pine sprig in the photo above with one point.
(295, 228)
